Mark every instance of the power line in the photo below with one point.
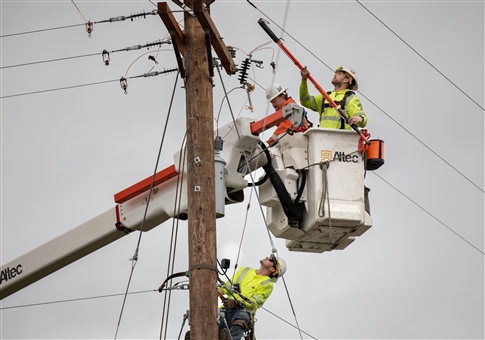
(150, 74)
(89, 24)
(430, 214)
(316, 57)
(422, 143)
(105, 54)
(50, 60)
(430, 64)
(41, 30)
(58, 89)
(74, 300)
(120, 294)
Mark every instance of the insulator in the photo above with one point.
(89, 28)
(106, 57)
(232, 51)
(273, 65)
(124, 84)
(244, 70)
(142, 14)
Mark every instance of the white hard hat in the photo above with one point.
(274, 91)
(350, 71)
(280, 268)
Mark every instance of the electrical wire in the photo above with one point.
(113, 19)
(59, 89)
(135, 256)
(422, 143)
(426, 60)
(270, 312)
(156, 73)
(174, 237)
(51, 60)
(133, 264)
(79, 10)
(41, 30)
(306, 49)
(76, 299)
(121, 294)
(131, 48)
(430, 214)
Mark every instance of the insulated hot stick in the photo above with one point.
(320, 89)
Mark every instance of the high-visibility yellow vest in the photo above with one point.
(328, 116)
(256, 288)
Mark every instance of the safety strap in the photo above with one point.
(254, 296)
(342, 102)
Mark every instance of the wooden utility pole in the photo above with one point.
(200, 183)
(195, 44)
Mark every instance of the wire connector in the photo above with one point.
(106, 57)
(89, 28)
(124, 84)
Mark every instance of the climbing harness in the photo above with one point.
(342, 102)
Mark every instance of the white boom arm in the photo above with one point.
(128, 214)
(292, 157)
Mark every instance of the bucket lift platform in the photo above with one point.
(326, 223)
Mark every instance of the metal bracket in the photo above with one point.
(180, 62)
(294, 113)
(209, 51)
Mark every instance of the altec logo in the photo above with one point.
(326, 155)
(9, 273)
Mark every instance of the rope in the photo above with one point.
(324, 165)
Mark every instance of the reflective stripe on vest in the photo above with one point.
(342, 102)
(255, 296)
(243, 273)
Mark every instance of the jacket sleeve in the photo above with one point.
(310, 102)
(281, 128)
(354, 108)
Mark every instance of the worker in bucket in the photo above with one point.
(278, 97)
(249, 290)
(345, 83)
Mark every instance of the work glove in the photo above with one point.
(230, 303)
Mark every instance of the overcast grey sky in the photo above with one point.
(418, 273)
